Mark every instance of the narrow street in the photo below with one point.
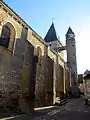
(73, 110)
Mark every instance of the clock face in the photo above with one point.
(71, 35)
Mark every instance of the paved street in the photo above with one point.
(73, 110)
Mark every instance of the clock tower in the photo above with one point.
(71, 52)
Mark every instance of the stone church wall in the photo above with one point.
(32, 74)
(14, 81)
(15, 72)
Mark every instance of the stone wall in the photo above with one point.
(10, 76)
(15, 71)
(24, 83)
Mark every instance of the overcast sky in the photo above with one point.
(75, 13)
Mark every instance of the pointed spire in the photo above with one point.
(51, 34)
(69, 31)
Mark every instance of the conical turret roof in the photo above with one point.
(51, 34)
(69, 31)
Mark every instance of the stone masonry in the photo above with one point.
(31, 72)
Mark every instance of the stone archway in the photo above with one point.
(8, 36)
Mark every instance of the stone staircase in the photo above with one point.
(61, 101)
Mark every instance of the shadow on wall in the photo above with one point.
(60, 83)
(49, 82)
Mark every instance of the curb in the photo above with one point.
(7, 118)
(43, 108)
(36, 109)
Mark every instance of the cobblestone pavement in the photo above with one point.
(73, 110)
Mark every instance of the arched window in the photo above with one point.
(5, 37)
(8, 36)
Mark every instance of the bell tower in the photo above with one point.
(71, 52)
(51, 37)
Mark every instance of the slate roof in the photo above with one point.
(69, 31)
(86, 74)
(51, 34)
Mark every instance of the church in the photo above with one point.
(33, 72)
